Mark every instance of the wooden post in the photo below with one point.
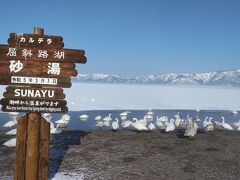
(32, 147)
(33, 140)
(20, 159)
(38, 30)
(44, 150)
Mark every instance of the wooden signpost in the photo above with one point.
(35, 40)
(36, 67)
(33, 92)
(26, 68)
(41, 54)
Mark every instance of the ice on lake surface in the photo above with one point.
(119, 96)
(102, 99)
(83, 96)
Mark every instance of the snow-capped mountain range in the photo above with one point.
(221, 78)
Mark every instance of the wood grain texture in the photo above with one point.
(35, 40)
(44, 150)
(32, 153)
(61, 82)
(70, 55)
(32, 102)
(63, 109)
(21, 146)
(38, 71)
(11, 92)
(30, 64)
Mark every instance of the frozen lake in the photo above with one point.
(102, 99)
(82, 96)
(119, 96)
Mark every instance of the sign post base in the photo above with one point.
(32, 148)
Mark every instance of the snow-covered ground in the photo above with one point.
(83, 96)
(67, 176)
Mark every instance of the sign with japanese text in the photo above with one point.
(42, 54)
(36, 67)
(35, 81)
(46, 69)
(33, 93)
(35, 40)
(52, 106)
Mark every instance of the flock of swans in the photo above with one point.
(60, 125)
(147, 123)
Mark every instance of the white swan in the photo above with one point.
(139, 124)
(170, 125)
(47, 116)
(10, 143)
(209, 127)
(125, 113)
(151, 126)
(234, 112)
(12, 132)
(208, 124)
(63, 121)
(237, 124)
(225, 125)
(54, 130)
(126, 123)
(98, 118)
(160, 124)
(115, 124)
(160, 121)
(13, 122)
(84, 117)
(205, 122)
(107, 120)
(177, 120)
(148, 118)
(98, 121)
(191, 129)
(176, 116)
(10, 124)
(150, 112)
(60, 123)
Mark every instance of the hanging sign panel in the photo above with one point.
(44, 69)
(36, 66)
(35, 40)
(33, 93)
(35, 81)
(34, 105)
(41, 54)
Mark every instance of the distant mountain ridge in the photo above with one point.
(221, 78)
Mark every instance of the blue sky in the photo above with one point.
(136, 37)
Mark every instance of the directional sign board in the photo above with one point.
(36, 67)
(42, 54)
(35, 81)
(26, 68)
(52, 106)
(35, 40)
(33, 93)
